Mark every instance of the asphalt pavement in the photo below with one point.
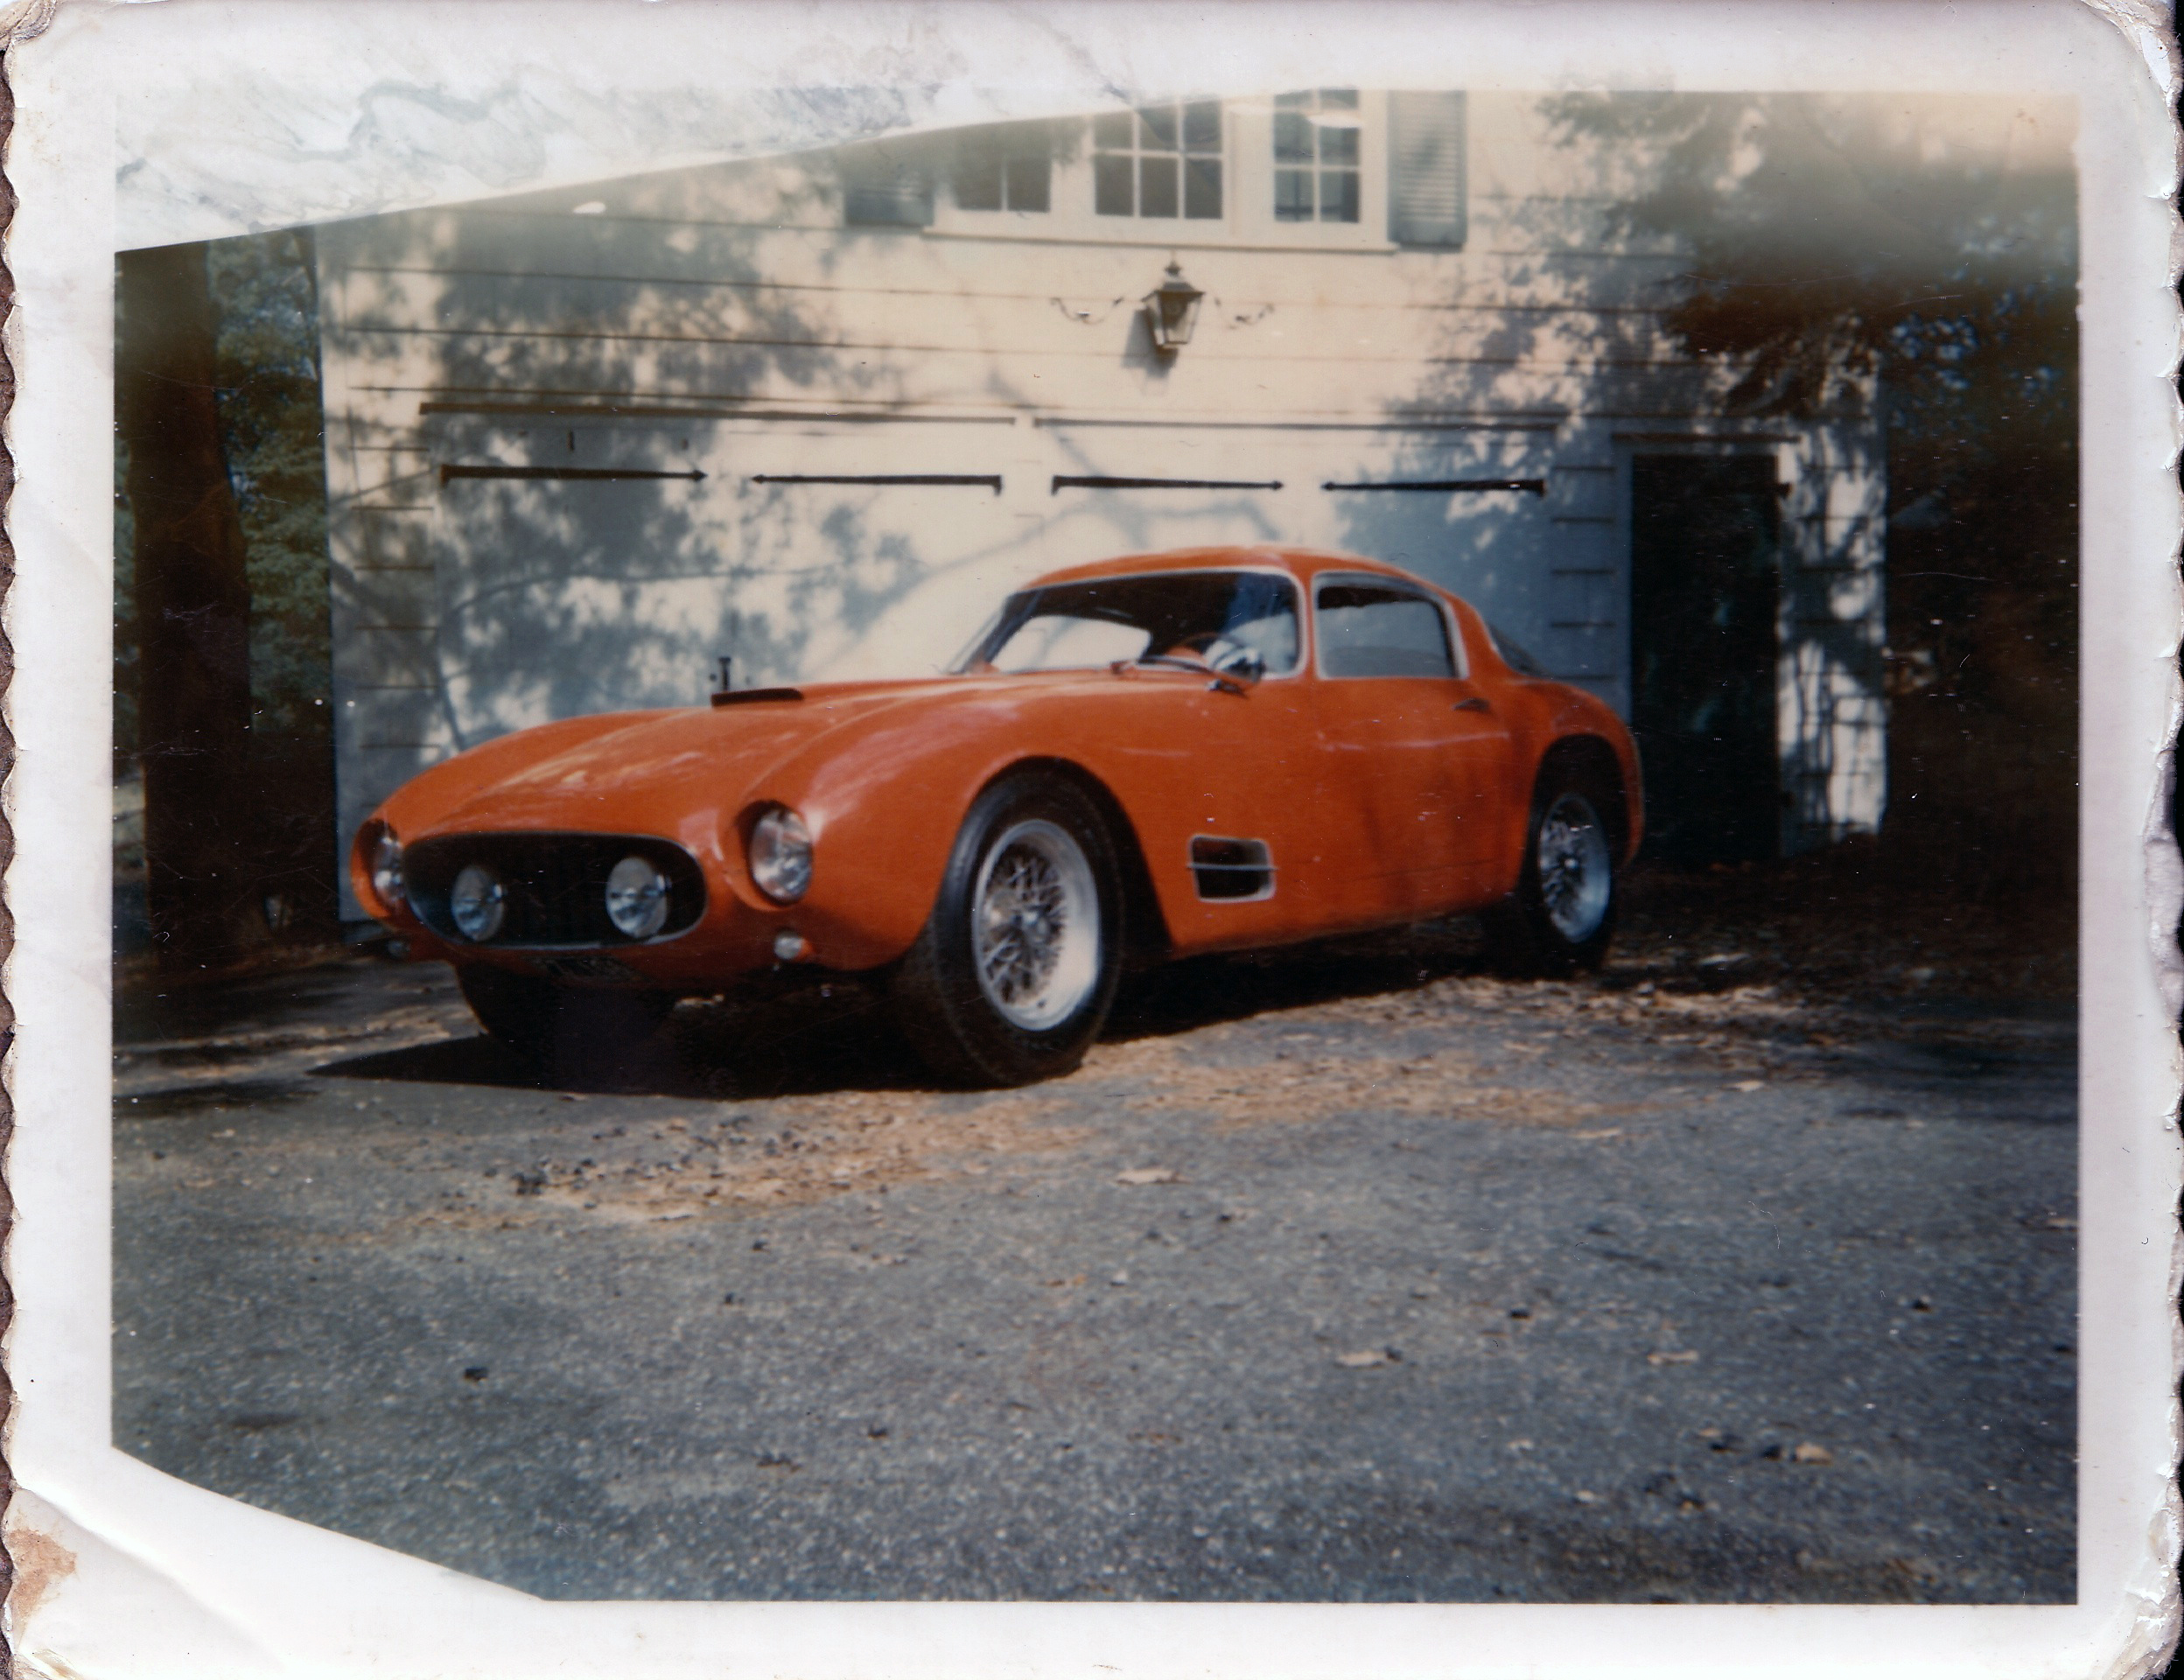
(1355, 1274)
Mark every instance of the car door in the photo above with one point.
(1411, 751)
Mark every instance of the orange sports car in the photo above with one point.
(1158, 756)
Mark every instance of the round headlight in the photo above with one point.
(387, 882)
(477, 901)
(781, 855)
(637, 898)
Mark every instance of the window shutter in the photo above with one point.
(1426, 170)
(889, 184)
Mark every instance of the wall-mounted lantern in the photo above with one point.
(1171, 311)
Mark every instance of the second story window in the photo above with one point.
(1159, 160)
(1316, 155)
(1004, 167)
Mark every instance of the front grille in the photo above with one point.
(555, 885)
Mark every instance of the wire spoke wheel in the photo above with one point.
(1576, 868)
(1035, 925)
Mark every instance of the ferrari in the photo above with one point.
(1140, 760)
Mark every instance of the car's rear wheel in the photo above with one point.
(1562, 915)
(1013, 976)
(570, 1034)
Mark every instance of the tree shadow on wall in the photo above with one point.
(1789, 252)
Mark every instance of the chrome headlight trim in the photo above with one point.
(781, 855)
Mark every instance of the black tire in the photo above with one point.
(1555, 924)
(570, 1034)
(1045, 987)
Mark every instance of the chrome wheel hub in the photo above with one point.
(1576, 870)
(1035, 925)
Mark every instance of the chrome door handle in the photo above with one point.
(1474, 703)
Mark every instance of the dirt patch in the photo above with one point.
(802, 1150)
(1441, 1085)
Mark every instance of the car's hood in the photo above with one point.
(652, 771)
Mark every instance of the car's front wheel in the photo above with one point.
(570, 1034)
(1562, 915)
(1013, 976)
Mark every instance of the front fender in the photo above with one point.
(884, 811)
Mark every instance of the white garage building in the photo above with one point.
(815, 414)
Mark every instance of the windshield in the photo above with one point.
(1205, 616)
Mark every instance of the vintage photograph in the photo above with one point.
(940, 839)
(1302, 844)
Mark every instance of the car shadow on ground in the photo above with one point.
(836, 1036)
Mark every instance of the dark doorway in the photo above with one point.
(1704, 579)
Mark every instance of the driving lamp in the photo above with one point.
(637, 898)
(781, 855)
(387, 883)
(477, 903)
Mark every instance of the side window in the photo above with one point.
(1316, 155)
(1371, 629)
(1159, 160)
(1004, 167)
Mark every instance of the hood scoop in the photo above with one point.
(746, 697)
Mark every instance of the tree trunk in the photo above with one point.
(193, 612)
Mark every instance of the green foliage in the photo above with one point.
(270, 415)
(267, 355)
(1838, 241)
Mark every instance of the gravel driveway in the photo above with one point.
(1351, 1275)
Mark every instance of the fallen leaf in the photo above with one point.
(1811, 1453)
(1586, 1496)
(1681, 1357)
(1593, 1137)
(1522, 1444)
(1367, 1358)
(1749, 1085)
(1149, 1175)
(1070, 1282)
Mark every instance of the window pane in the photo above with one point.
(1337, 146)
(1112, 179)
(978, 174)
(1338, 99)
(1367, 631)
(1292, 101)
(1201, 126)
(1157, 127)
(1111, 130)
(1097, 622)
(1292, 137)
(1157, 188)
(1201, 188)
(1338, 195)
(1055, 641)
(1030, 183)
(1292, 195)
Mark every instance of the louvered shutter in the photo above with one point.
(889, 184)
(1426, 170)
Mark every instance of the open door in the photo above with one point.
(1705, 575)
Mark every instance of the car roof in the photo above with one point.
(1303, 564)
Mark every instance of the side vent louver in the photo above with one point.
(1231, 869)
